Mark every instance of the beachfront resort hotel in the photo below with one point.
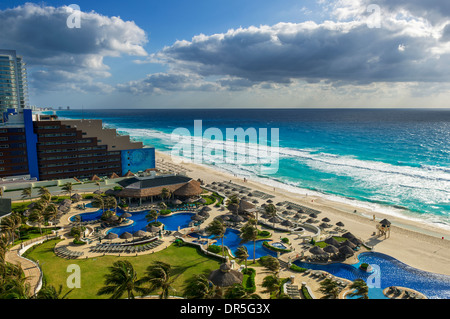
(44, 147)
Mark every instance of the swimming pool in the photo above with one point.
(233, 241)
(171, 222)
(87, 217)
(388, 271)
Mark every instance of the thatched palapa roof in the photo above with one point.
(153, 186)
(225, 276)
(191, 188)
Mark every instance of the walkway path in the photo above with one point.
(31, 270)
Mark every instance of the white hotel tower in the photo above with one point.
(13, 82)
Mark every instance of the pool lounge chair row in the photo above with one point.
(64, 252)
(117, 248)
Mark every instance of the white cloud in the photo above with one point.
(51, 48)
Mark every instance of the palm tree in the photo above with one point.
(152, 215)
(37, 215)
(26, 193)
(45, 199)
(242, 255)
(98, 202)
(10, 225)
(98, 184)
(43, 190)
(273, 285)
(330, 289)
(68, 188)
(110, 202)
(13, 283)
(271, 210)
(271, 263)
(199, 287)
(218, 229)
(250, 232)
(237, 291)
(158, 276)
(233, 203)
(49, 292)
(361, 289)
(3, 247)
(162, 206)
(51, 212)
(121, 279)
(165, 193)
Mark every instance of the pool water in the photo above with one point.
(87, 217)
(233, 241)
(140, 222)
(388, 271)
(278, 245)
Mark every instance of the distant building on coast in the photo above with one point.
(13, 81)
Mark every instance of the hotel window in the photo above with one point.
(4, 146)
(4, 138)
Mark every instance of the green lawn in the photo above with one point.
(185, 261)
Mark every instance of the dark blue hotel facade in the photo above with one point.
(42, 147)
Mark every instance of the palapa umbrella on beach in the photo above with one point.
(346, 251)
(349, 244)
(275, 219)
(206, 209)
(332, 241)
(139, 233)
(325, 225)
(203, 214)
(126, 215)
(126, 235)
(287, 223)
(331, 249)
(326, 219)
(341, 224)
(111, 235)
(348, 235)
(152, 229)
(316, 250)
(197, 217)
(313, 215)
(356, 241)
(76, 197)
(269, 201)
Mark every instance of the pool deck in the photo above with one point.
(298, 244)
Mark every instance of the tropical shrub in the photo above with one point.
(249, 284)
(296, 268)
(215, 249)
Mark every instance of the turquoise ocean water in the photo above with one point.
(396, 161)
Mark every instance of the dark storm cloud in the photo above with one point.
(349, 52)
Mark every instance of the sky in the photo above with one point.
(232, 54)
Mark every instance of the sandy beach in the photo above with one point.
(416, 244)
